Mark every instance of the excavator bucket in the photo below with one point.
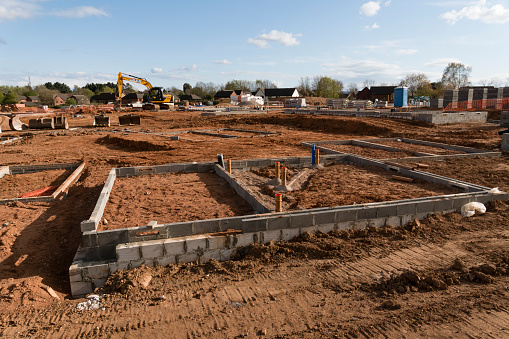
(15, 124)
(102, 121)
(129, 119)
(61, 122)
(41, 123)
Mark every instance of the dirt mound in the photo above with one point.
(133, 145)
(411, 281)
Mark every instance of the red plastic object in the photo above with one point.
(40, 192)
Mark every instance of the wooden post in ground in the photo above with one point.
(283, 177)
(278, 170)
(229, 165)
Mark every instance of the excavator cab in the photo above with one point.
(155, 94)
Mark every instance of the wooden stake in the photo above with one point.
(279, 200)
(283, 177)
(317, 156)
(422, 165)
(229, 165)
(400, 178)
(278, 170)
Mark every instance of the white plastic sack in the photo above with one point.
(472, 208)
(495, 191)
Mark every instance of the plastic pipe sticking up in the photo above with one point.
(278, 170)
(229, 165)
(313, 159)
(279, 200)
(283, 177)
(317, 156)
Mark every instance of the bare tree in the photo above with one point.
(414, 81)
(456, 75)
(368, 83)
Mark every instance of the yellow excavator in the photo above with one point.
(156, 99)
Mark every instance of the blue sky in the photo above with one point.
(169, 42)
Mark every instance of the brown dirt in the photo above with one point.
(13, 186)
(418, 148)
(342, 284)
(169, 198)
(369, 152)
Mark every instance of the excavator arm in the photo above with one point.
(131, 78)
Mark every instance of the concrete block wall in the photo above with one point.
(85, 276)
(505, 142)
(92, 223)
(504, 119)
(102, 253)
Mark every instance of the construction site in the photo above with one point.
(240, 222)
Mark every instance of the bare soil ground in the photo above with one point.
(443, 277)
(12, 186)
(369, 152)
(170, 198)
(418, 148)
(337, 185)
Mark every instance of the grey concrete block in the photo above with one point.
(79, 289)
(425, 207)
(290, 233)
(273, 235)
(196, 244)
(279, 222)
(139, 262)
(217, 242)
(152, 249)
(303, 220)
(234, 223)
(347, 214)
(98, 283)
(89, 239)
(98, 271)
(325, 217)
(393, 221)
(112, 237)
(409, 208)
(88, 225)
(125, 171)
(206, 226)
(326, 228)
(310, 229)
(387, 211)
(378, 222)
(180, 229)
(367, 213)
(118, 266)
(443, 205)
(128, 252)
(188, 257)
(165, 260)
(174, 247)
(254, 225)
(99, 253)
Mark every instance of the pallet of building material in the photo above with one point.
(337, 103)
(381, 104)
(102, 121)
(360, 104)
(129, 119)
(41, 123)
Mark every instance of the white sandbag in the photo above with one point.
(495, 191)
(472, 208)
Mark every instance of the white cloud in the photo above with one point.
(441, 62)
(283, 38)
(17, 9)
(80, 12)
(387, 3)
(372, 27)
(156, 70)
(223, 62)
(407, 51)
(370, 8)
(25, 9)
(481, 11)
